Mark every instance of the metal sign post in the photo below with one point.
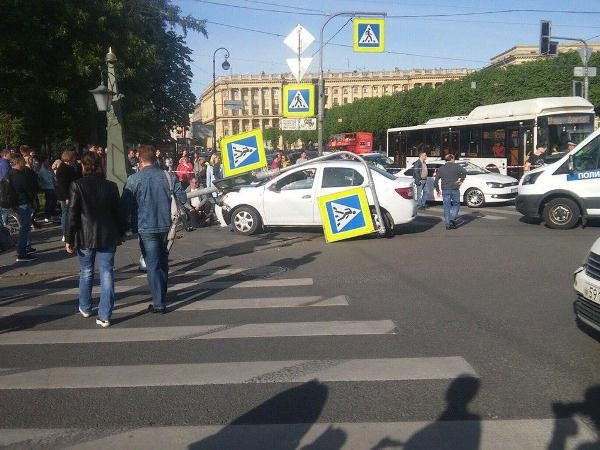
(321, 95)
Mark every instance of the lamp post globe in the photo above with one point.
(226, 66)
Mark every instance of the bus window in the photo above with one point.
(470, 138)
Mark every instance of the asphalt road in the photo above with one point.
(431, 339)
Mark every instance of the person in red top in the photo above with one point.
(498, 150)
(185, 170)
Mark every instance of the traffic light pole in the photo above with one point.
(586, 78)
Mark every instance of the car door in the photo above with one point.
(289, 199)
(336, 179)
(585, 178)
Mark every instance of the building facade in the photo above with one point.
(520, 54)
(261, 95)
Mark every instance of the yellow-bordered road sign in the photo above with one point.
(299, 100)
(243, 153)
(369, 35)
(345, 214)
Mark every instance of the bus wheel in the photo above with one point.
(561, 213)
(474, 198)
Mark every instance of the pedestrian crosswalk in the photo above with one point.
(274, 402)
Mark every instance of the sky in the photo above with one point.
(426, 34)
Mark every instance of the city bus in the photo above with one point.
(498, 137)
(359, 142)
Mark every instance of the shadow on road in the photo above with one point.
(298, 408)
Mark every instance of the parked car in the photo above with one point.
(586, 282)
(291, 198)
(480, 187)
(382, 161)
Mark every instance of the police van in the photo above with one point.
(566, 191)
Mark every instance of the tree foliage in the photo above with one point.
(55, 50)
(551, 77)
(11, 130)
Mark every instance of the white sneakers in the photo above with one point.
(83, 313)
(103, 323)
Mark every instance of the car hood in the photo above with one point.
(496, 178)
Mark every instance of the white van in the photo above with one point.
(587, 287)
(565, 191)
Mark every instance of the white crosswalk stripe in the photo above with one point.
(208, 294)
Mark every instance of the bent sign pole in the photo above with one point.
(321, 95)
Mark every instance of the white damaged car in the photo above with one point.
(291, 198)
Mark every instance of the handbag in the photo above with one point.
(176, 212)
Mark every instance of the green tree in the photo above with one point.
(272, 135)
(11, 130)
(52, 55)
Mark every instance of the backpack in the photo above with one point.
(8, 195)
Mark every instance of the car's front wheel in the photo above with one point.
(474, 198)
(561, 213)
(246, 220)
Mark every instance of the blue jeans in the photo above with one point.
(451, 199)
(421, 193)
(156, 256)
(24, 212)
(64, 211)
(106, 262)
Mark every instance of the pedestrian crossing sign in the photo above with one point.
(345, 214)
(243, 153)
(299, 100)
(369, 35)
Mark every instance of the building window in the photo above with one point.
(265, 112)
(336, 102)
(275, 92)
(335, 91)
(345, 91)
(365, 89)
(375, 90)
(355, 90)
(405, 87)
(345, 100)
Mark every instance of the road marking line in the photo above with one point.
(218, 331)
(513, 434)
(211, 285)
(183, 305)
(300, 371)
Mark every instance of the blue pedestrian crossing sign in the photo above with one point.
(243, 153)
(299, 100)
(369, 35)
(345, 214)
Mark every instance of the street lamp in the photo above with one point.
(225, 66)
(108, 100)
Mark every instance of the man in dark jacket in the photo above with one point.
(95, 227)
(452, 176)
(420, 178)
(66, 173)
(24, 182)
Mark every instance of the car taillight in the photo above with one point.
(406, 192)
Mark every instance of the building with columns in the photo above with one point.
(520, 54)
(261, 94)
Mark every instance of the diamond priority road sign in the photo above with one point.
(243, 153)
(345, 214)
(299, 100)
(369, 35)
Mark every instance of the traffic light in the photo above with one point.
(547, 47)
(577, 88)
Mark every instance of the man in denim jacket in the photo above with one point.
(147, 200)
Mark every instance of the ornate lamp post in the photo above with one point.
(108, 99)
(225, 66)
